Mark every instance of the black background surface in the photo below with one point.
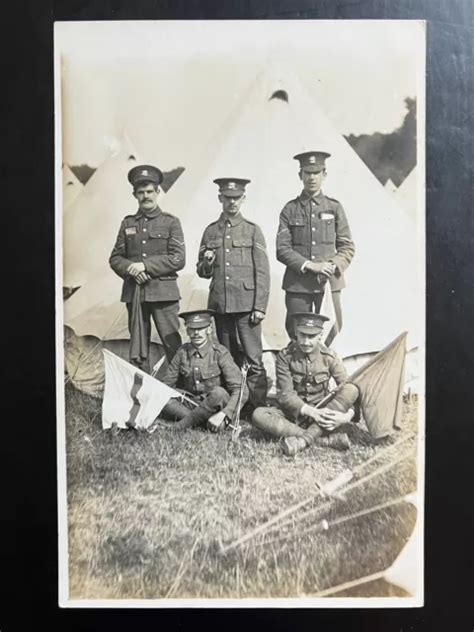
(28, 547)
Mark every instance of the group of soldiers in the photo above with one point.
(313, 242)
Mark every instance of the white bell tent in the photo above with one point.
(72, 186)
(275, 120)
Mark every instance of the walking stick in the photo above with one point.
(236, 426)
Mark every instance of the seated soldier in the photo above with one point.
(303, 370)
(206, 372)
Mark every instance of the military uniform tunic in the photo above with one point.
(240, 284)
(155, 239)
(240, 273)
(304, 379)
(312, 229)
(203, 372)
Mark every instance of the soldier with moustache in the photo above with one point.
(314, 242)
(147, 255)
(206, 373)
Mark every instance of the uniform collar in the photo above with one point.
(139, 214)
(317, 199)
(202, 351)
(233, 221)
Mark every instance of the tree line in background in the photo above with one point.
(390, 155)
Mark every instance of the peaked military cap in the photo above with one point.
(312, 161)
(231, 187)
(309, 323)
(197, 319)
(145, 173)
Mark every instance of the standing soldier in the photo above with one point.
(314, 243)
(147, 255)
(303, 371)
(233, 254)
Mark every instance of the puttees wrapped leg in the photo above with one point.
(176, 409)
(272, 421)
(214, 401)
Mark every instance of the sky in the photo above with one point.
(170, 85)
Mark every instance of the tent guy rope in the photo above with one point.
(343, 481)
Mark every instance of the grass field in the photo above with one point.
(147, 513)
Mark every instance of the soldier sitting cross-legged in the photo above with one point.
(303, 371)
(206, 372)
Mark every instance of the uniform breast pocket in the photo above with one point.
(242, 251)
(211, 377)
(159, 240)
(185, 372)
(216, 246)
(319, 382)
(298, 231)
(132, 246)
(297, 382)
(328, 225)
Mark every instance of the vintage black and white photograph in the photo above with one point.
(240, 250)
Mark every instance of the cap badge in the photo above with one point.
(231, 185)
(312, 159)
(197, 317)
(144, 172)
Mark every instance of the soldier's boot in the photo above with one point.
(292, 445)
(338, 441)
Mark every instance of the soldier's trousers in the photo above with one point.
(165, 317)
(231, 328)
(272, 421)
(302, 302)
(208, 404)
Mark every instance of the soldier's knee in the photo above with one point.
(217, 396)
(349, 393)
(259, 415)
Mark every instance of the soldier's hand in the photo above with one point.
(209, 256)
(135, 268)
(216, 421)
(334, 418)
(316, 414)
(321, 267)
(256, 317)
(142, 277)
